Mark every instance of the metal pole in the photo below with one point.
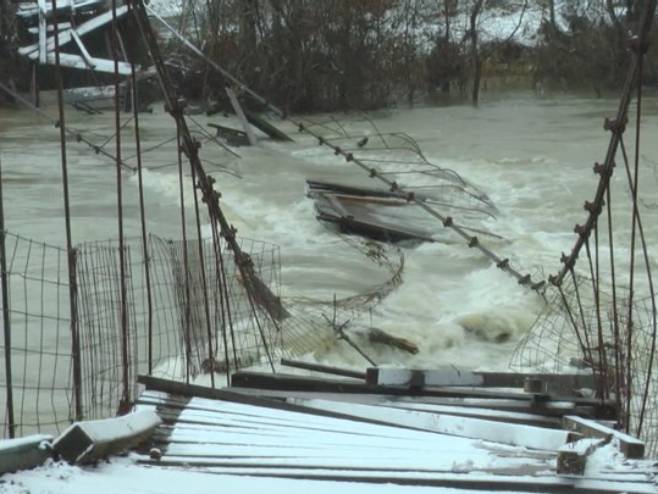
(142, 214)
(125, 398)
(75, 340)
(204, 286)
(5, 317)
(186, 264)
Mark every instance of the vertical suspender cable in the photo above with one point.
(6, 320)
(186, 264)
(125, 397)
(204, 282)
(75, 337)
(142, 215)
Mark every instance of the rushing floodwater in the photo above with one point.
(533, 157)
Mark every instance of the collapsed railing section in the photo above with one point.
(603, 316)
(40, 355)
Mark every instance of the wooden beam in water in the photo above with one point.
(265, 127)
(237, 108)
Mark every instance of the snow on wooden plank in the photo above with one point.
(23, 453)
(444, 376)
(281, 381)
(340, 460)
(85, 442)
(513, 434)
(83, 50)
(477, 412)
(66, 36)
(552, 408)
(630, 446)
(29, 9)
(61, 26)
(473, 481)
(572, 457)
(99, 64)
(453, 376)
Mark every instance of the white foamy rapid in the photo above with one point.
(532, 156)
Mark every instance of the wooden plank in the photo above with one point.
(43, 51)
(572, 457)
(87, 442)
(265, 127)
(65, 37)
(50, 28)
(474, 481)
(240, 113)
(323, 368)
(446, 376)
(601, 408)
(630, 446)
(486, 430)
(178, 388)
(29, 9)
(99, 64)
(83, 50)
(23, 453)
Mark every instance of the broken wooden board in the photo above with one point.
(24, 453)
(89, 441)
(265, 127)
(233, 137)
(349, 443)
(65, 37)
(30, 9)
(572, 457)
(474, 428)
(371, 212)
(551, 404)
(630, 446)
(563, 384)
(237, 108)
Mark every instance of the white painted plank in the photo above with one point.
(42, 31)
(241, 116)
(443, 376)
(513, 434)
(50, 28)
(28, 9)
(78, 62)
(630, 446)
(83, 50)
(474, 411)
(66, 37)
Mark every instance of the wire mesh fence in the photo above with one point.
(40, 353)
(168, 331)
(572, 334)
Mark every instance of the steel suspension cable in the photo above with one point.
(125, 358)
(71, 254)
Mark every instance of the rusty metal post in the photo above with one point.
(5, 318)
(75, 347)
(142, 215)
(125, 395)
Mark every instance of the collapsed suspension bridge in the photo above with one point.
(615, 333)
